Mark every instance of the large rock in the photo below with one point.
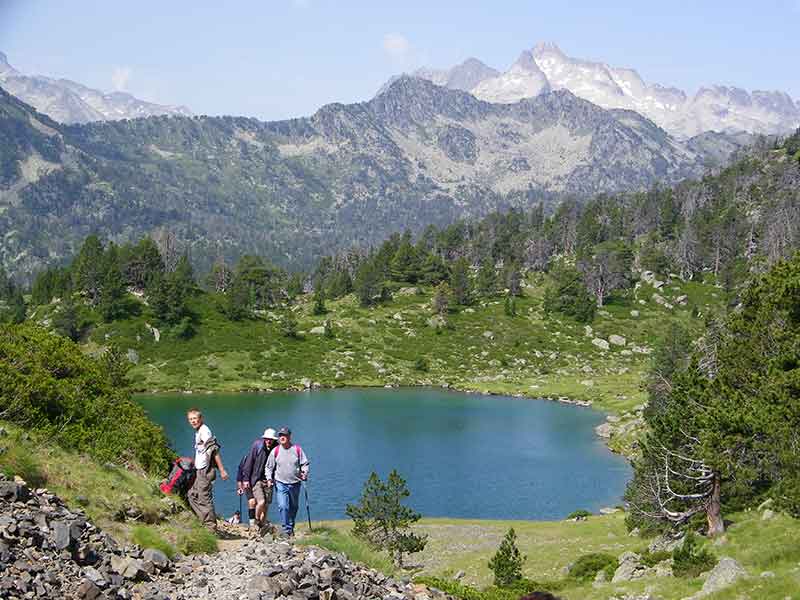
(726, 572)
(616, 340)
(600, 343)
(13, 491)
(630, 568)
(129, 568)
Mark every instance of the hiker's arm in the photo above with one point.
(218, 460)
(303, 465)
(269, 470)
(247, 469)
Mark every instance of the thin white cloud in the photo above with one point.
(397, 46)
(120, 77)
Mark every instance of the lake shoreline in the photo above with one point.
(606, 431)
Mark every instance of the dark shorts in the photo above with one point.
(260, 492)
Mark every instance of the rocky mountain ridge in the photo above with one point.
(70, 102)
(545, 67)
(349, 175)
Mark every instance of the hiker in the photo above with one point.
(235, 519)
(206, 458)
(287, 468)
(251, 475)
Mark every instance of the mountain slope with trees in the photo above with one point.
(292, 191)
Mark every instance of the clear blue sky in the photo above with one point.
(274, 59)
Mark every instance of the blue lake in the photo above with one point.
(463, 455)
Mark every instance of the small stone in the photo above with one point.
(88, 590)
(768, 514)
(600, 343)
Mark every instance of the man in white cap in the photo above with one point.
(251, 475)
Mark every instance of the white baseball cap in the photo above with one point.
(269, 433)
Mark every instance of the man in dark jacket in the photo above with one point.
(251, 475)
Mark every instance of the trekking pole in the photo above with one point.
(308, 510)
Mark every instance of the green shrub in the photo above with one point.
(587, 566)
(651, 559)
(49, 387)
(148, 537)
(421, 364)
(691, 560)
(578, 514)
(465, 592)
(197, 541)
(507, 562)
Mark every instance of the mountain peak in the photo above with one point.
(713, 108)
(527, 62)
(547, 48)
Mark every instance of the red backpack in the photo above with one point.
(181, 476)
(297, 449)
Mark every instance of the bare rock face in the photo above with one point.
(710, 118)
(70, 102)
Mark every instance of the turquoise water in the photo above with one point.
(463, 455)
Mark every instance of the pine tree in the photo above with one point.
(441, 299)
(486, 281)
(405, 263)
(116, 366)
(507, 562)
(237, 302)
(65, 321)
(319, 302)
(289, 325)
(510, 307)
(433, 269)
(460, 282)
(295, 285)
(88, 269)
(143, 264)
(568, 295)
(381, 519)
(17, 311)
(112, 293)
(368, 283)
(340, 284)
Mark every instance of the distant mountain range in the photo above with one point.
(415, 155)
(70, 102)
(546, 68)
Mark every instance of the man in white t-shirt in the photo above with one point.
(206, 457)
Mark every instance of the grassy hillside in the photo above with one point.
(399, 343)
(125, 503)
(460, 545)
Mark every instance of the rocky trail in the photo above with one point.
(48, 550)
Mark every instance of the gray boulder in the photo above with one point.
(157, 557)
(726, 572)
(630, 568)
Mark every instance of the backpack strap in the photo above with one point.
(275, 454)
(297, 450)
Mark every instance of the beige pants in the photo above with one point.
(201, 497)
